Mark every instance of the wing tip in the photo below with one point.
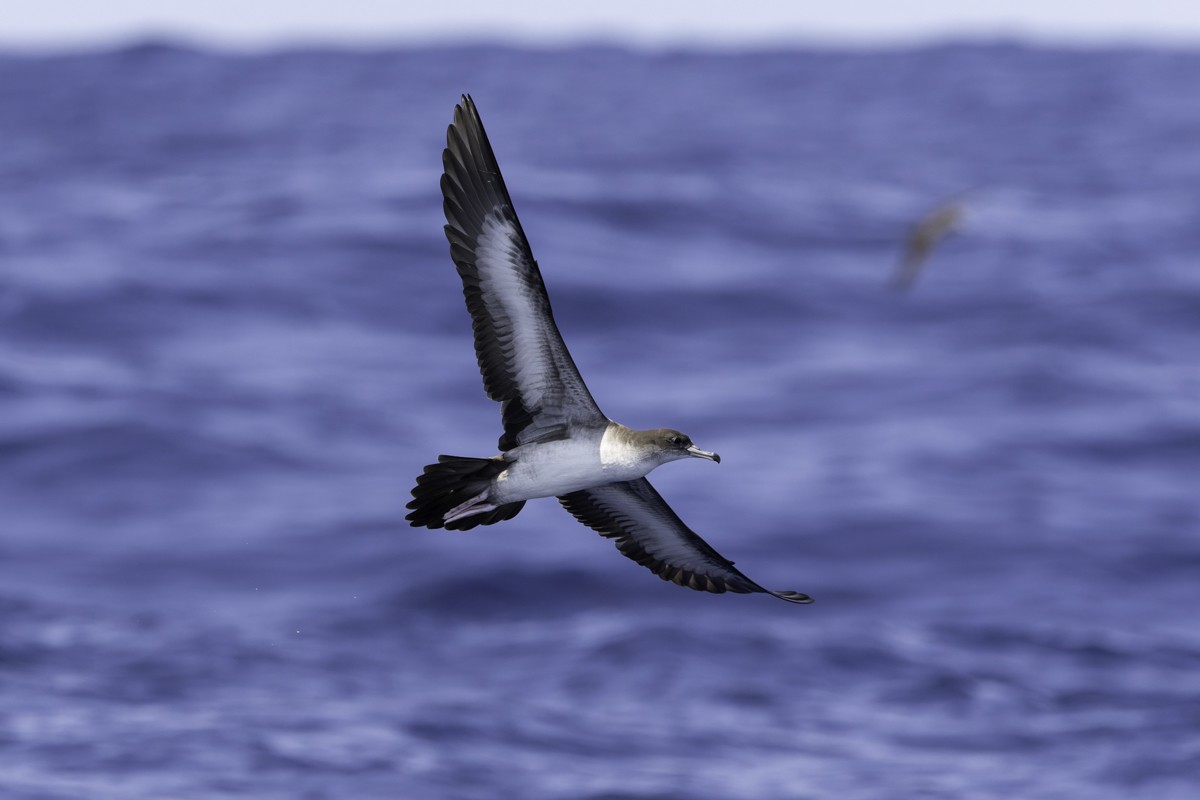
(793, 597)
(465, 108)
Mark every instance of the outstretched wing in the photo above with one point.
(648, 531)
(524, 363)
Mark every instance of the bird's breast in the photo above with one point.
(618, 456)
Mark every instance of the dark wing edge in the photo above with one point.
(474, 192)
(646, 530)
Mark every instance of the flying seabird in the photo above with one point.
(926, 234)
(556, 441)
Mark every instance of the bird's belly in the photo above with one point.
(556, 476)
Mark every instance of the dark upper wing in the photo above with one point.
(649, 532)
(524, 362)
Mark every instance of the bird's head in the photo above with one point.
(674, 445)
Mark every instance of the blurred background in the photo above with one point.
(231, 336)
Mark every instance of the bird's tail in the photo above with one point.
(455, 484)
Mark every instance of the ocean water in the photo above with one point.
(231, 336)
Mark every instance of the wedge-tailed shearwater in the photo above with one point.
(925, 235)
(556, 441)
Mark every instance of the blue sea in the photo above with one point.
(231, 336)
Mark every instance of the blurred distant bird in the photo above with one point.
(926, 234)
(556, 441)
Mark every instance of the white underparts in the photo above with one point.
(615, 452)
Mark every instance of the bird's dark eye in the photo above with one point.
(677, 441)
